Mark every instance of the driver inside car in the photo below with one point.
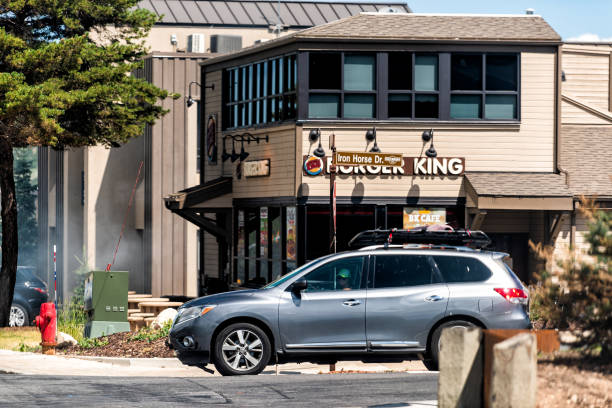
(343, 279)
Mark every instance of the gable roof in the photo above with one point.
(262, 13)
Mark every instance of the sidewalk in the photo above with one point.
(13, 362)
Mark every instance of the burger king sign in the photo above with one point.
(313, 166)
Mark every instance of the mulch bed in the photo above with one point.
(120, 345)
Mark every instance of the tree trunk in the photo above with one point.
(8, 270)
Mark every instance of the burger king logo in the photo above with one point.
(313, 166)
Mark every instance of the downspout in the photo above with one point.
(559, 141)
(558, 136)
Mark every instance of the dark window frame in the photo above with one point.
(483, 92)
(247, 101)
(341, 91)
(382, 89)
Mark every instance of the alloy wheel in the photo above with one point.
(242, 350)
(16, 317)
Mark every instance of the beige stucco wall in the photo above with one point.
(159, 38)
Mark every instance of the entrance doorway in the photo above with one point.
(350, 220)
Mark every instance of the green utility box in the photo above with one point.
(106, 304)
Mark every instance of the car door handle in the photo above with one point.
(434, 298)
(351, 302)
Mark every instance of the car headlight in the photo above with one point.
(190, 313)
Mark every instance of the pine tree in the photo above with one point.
(65, 81)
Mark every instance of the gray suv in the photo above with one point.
(379, 303)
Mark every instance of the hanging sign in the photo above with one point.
(417, 217)
(256, 168)
(211, 139)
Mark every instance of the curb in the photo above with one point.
(132, 362)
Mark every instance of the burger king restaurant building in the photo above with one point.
(465, 109)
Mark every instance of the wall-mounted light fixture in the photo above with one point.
(314, 135)
(234, 156)
(371, 137)
(225, 155)
(244, 137)
(427, 136)
(189, 100)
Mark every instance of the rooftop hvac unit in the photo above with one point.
(225, 43)
(195, 43)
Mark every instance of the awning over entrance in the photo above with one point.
(517, 191)
(189, 205)
(194, 196)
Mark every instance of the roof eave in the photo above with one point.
(325, 39)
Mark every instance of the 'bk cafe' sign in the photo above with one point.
(367, 163)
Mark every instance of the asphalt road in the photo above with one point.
(338, 390)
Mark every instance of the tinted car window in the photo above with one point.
(391, 271)
(341, 274)
(24, 275)
(461, 269)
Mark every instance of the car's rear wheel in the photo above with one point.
(241, 349)
(434, 345)
(18, 316)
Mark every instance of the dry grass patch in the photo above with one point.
(19, 338)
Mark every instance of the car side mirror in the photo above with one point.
(298, 286)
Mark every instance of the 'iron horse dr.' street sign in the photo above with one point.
(368, 159)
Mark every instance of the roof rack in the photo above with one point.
(434, 235)
(419, 246)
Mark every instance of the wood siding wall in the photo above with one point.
(172, 169)
(528, 146)
(588, 81)
(587, 73)
(574, 115)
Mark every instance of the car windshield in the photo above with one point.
(290, 275)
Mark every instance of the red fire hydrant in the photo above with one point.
(47, 324)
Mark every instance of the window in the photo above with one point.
(484, 80)
(407, 85)
(457, 269)
(265, 244)
(404, 69)
(394, 271)
(342, 85)
(341, 274)
(262, 92)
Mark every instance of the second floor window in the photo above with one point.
(401, 85)
(342, 85)
(484, 86)
(262, 92)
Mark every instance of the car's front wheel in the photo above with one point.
(19, 316)
(241, 349)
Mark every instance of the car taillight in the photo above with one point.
(514, 295)
(41, 291)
